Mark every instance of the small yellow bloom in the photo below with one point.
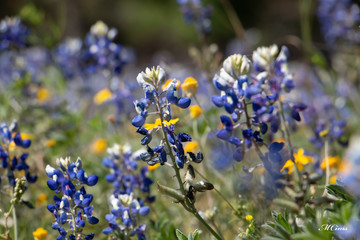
(324, 133)
(41, 198)
(168, 82)
(152, 168)
(98, 146)
(190, 86)
(50, 143)
(40, 234)
(332, 180)
(43, 95)
(157, 123)
(102, 96)
(249, 218)
(300, 160)
(333, 161)
(262, 170)
(195, 111)
(191, 146)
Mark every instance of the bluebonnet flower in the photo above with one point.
(30, 62)
(73, 206)
(339, 21)
(13, 34)
(68, 56)
(129, 183)
(261, 86)
(12, 162)
(150, 81)
(196, 13)
(101, 52)
(97, 53)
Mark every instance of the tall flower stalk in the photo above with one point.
(171, 143)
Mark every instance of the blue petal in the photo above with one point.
(276, 146)
(183, 102)
(92, 180)
(218, 100)
(223, 134)
(138, 121)
(143, 211)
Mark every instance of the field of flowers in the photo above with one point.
(181, 119)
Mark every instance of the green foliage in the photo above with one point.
(163, 228)
(191, 236)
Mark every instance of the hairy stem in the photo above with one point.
(189, 206)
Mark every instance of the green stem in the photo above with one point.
(218, 192)
(305, 7)
(234, 19)
(15, 223)
(189, 206)
(326, 150)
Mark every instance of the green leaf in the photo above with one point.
(180, 235)
(195, 235)
(340, 192)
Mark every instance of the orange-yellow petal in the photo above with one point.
(43, 95)
(195, 111)
(98, 146)
(190, 86)
(191, 146)
(102, 96)
(333, 161)
(40, 234)
(152, 168)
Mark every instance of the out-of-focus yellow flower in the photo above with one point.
(249, 218)
(102, 96)
(157, 123)
(40, 234)
(300, 160)
(152, 168)
(191, 146)
(333, 161)
(42, 197)
(98, 146)
(168, 82)
(195, 111)
(190, 86)
(43, 95)
(332, 180)
(262, 170)
(50, 143)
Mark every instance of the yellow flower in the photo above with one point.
(190, 146)
(41, 198)
(190, 86)
(249, 218)
(262, 170)
(43, 95)
(300, 160)
(50, 143)
(102, 96)
(332, 180)
(333, 161)
(157, 123)
(168, 82)
(152, 168)
(195, 111)
(98, 146)
(40, 234)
